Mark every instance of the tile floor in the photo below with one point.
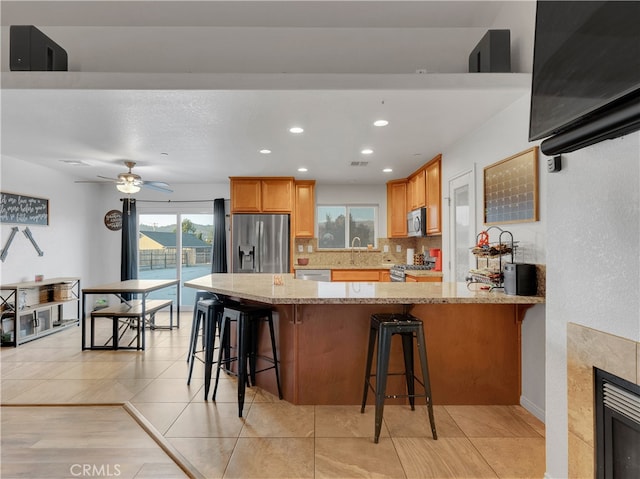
(274, 439)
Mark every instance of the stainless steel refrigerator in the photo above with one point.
(260, 243)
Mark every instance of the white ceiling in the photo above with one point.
(192, 90)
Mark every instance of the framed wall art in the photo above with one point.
(23, 209)
(511, 189)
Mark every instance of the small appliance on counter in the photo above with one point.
(437, 254)
(520, 279)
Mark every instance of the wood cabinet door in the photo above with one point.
(245, 195)
(369, 275)
(397, 209)
(434, 206)
(417, 188)
(304, 211)
(277, 195)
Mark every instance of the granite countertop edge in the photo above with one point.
(260, 288)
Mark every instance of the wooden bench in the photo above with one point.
(126, 316)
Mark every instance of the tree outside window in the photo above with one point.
(338, 225)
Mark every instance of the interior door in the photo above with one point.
(462, 224)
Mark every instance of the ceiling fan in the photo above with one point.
(131, 183)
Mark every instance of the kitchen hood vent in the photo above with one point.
(359, 163)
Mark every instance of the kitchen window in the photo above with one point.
(340, 226)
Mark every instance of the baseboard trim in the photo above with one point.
(532, 408)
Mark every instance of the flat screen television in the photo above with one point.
(586, 73)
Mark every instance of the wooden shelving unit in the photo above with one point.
(32, 309)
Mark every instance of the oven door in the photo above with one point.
(417, 222)
(396, 275)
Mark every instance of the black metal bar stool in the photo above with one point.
(383, 327)
(196, 325)
(248, 318)
(207, 317)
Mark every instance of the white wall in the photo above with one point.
(593, 270)
(501, 137)
(77, 243)
(519, 17)
(67, 242)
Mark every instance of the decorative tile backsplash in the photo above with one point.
(363, 256)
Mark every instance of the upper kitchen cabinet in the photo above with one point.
(397, 208)
(416, 197)
(433, 195)
(261, 195)
(304, 211)
(421, 190)
(277, 195)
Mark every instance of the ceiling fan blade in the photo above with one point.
(107, 178)
(157, 185)
(99, 182)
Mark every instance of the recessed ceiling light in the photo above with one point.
(387, 170)
(74, 162)
(366, 151)
(302, 170)
(381, 123)
(296, 129)
(264, 151)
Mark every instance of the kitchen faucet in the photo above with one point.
(353, 241)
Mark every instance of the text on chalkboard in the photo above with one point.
(24, 210)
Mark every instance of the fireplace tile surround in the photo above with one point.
(586, 348)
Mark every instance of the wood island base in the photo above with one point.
(473, 352)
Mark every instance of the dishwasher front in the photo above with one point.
(314, 274)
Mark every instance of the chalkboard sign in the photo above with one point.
(113, 220)
(23, 210)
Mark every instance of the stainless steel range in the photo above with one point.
(398, 271)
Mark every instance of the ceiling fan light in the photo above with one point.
(127, 187)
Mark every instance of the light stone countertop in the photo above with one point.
(413, 272)
(344, 266)
(423, 272)
(261, 288)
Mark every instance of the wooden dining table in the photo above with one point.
(124, 290)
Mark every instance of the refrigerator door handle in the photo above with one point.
(260, 248)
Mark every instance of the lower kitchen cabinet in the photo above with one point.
(368, 275)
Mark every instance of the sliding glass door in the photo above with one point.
(175, 246)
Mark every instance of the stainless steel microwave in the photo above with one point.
(417, 222)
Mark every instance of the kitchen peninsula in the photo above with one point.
(473, 336)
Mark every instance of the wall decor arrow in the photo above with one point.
(27, 233)
(5, 250)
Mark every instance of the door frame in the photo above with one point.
(470, 176)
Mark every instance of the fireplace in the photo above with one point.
(617, 427)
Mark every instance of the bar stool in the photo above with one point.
(196, 324)
(383, 328)
(206, 317)
(248, 318)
